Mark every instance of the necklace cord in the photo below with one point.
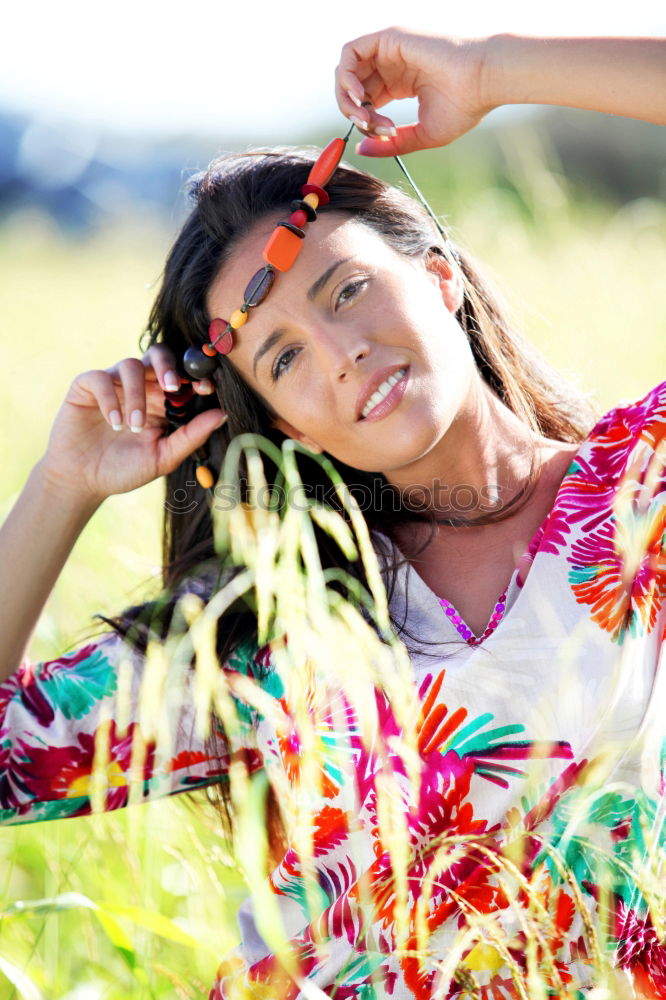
(524, 493)
(412, 183)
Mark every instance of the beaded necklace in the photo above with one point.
(462, 627)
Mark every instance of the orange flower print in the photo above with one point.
(622, 579)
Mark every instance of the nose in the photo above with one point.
(340, 351)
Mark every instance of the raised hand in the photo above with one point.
(457, 81)
(108, 437)
(110, 433)
(446, 75)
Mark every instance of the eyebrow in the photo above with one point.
(313, 291)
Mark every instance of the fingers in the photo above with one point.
(179, 445)
(132, 375)
(355, 67)
(102, 387)
(163, 362)
(442, 72)
(375, 124)
(407, 139)
(128, 394)
(349, 91)
(371, 74)
(120, 393)
(126, 407)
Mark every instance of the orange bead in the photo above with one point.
(326, 163)
(209, 350)
(312, 200)
(282, 248)
(237, 318)
(204, 477)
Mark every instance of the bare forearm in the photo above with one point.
(35, 542)
(618, 76)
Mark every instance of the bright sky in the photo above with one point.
(256, 68)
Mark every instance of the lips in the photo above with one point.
(373, 384)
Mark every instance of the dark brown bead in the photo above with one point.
(197, 364)
(259, 286)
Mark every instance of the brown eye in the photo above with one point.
(350, 291)
(282, 362)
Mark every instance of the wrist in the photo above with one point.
(488, 54)
(63, 494)
(495, 85)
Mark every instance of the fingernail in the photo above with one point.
(386, 130)
(171, 383)
(205, 387)
(116, 420)
(136, 421)
(358, 122)
(355, 100)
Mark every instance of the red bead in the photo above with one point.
(209, 350)
(225, 342)
(327, 162)
(298, 218)
(221, 337)
(181, 396)
(216, 329)
(315, 189)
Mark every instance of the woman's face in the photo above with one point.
(351, 314)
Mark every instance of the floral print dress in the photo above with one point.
(567, 694)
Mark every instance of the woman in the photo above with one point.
(522, 552)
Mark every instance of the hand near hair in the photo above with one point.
(87, 460)
(445, 74)
(458, 81)
(109, 435)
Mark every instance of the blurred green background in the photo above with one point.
(565, 210)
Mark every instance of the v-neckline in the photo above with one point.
(518, 580)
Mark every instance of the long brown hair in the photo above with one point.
(234, 193)
(229, 198)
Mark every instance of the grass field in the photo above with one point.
(584, 281)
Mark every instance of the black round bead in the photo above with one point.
(177, 415)
(197, 364)
(293, 229)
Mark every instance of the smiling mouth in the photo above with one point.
(383, 391)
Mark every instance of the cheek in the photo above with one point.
(449, 349)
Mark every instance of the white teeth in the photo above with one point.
(383, 391)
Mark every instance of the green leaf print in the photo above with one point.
(74, 691)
